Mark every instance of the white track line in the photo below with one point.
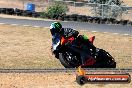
(94, 31)
(2, 23)
(115, 33)
(105, 32)
(46, 27)
(37, 26)
(15, 24)
(26, 25)
(126, 34)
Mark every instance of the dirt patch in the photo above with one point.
(49, 80)
(128, 2)
(28, 47)
(25, 47)
(11, 4)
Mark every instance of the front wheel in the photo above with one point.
(110, 61)
(106, 59)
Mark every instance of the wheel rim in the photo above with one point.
(71, 59)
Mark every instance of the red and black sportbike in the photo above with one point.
(73, 54)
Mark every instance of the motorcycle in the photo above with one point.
(71, 54)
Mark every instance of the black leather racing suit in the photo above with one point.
(66, 32)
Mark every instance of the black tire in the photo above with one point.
(81, 80)
(111, 61)
(107, 60)
(18, 12)
(68, 59)
(35, 15)
(113, 65)
(3, 10)
(64, 62)
(10, 11)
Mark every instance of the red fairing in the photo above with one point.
(65, 40)
(89, 62)
(91, 39)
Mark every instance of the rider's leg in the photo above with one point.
(83, 60)
(84, 57)
(88, 42)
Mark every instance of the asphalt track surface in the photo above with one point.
(119, 29)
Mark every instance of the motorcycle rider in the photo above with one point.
(57, 31)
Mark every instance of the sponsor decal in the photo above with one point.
(108, 77)
(82, 77)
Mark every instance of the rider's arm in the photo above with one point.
(55, 41)
(68, 32)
